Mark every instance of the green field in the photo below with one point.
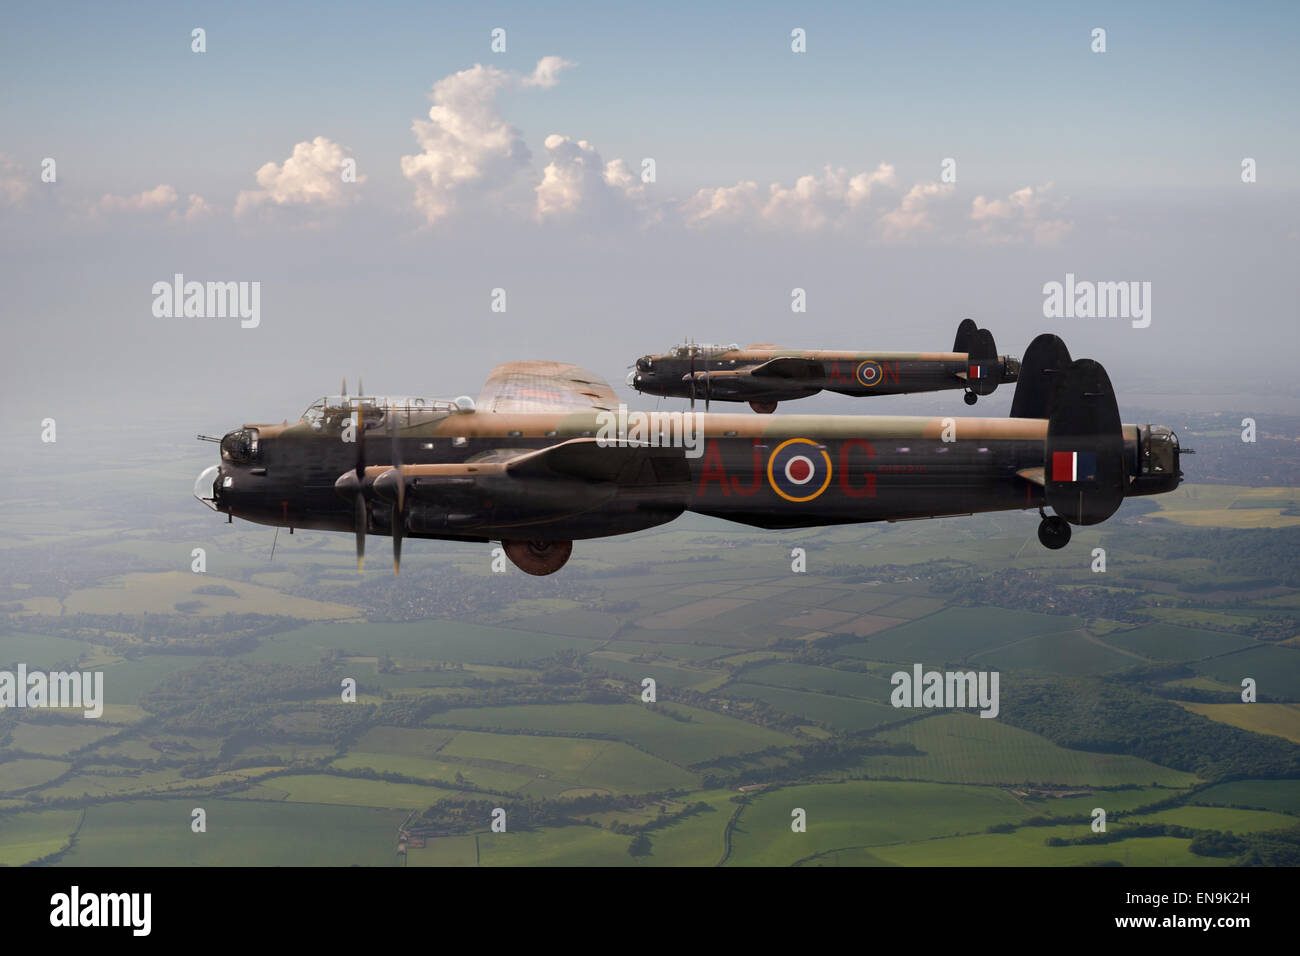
(1279, 720)
(842, 713)
(706, 736)
(1221, 818)
(326, 788)
(1280, 795)
(1169, 642)
(1072, 654)
(239, 833)
(578, 762)
(1027, 847)
(57, 739)
(436, 640)
(436, 770)
(24, 773)
(956, 635)
(966, 748)
(826, 680)
(861, 813)
(32, 835)
(1276, 671)
(445, 851)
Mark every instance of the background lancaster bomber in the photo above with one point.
(524, 465)
(764, 375)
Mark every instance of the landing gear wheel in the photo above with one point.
(1054, 532)
(970, 398)
(538, 557)
(763, 408)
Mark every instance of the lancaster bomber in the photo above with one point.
(764, 375)
(547, 456)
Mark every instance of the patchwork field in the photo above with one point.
(965, 748)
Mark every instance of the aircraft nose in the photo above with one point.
(633, 377)
(205, 486)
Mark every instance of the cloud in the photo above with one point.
(1023, 214)
(161, 199)
(161, 196)
(813, 202)
(577, 178)
(913, 214)
(465, 144)
(198, 208)
(13, 183)
(312, 175)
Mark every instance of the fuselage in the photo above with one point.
(785, 374)
(784, 471)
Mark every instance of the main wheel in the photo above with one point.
(538, 557)
(1054, 532)
(763, 408)
(970, 398)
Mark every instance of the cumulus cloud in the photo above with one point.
(13, 183)
(577, 178)
(811, 203)
(161, 196)
(913, 214)
(312, 175)
(465, 144)
(197, 209)
(1024, 213)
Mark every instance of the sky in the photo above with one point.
(523, 170)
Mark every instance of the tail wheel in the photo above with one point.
(970, 398)
(1054, 532)
(538, 557)
(763, 408)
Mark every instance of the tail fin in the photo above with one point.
(1085, 474)
(983, 374)
(1044, 359)
(965, 336)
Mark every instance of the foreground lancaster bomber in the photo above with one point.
(766, 374)
(547, 456)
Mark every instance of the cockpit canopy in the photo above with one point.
(333, 410)
(700, 350)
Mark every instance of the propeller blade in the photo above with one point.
(359, 517)
(692, 378)
(361, 389)
(360, 442)
(399, 499)
(345, 387)
(708, 390)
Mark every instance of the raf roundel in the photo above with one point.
(799, 469)
(869, 373)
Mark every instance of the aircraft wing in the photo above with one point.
(534, 386)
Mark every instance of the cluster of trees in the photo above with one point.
(229, 633)
(1112, 717)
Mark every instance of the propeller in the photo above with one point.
(361, 516)
(344, 392)
(399, 495)
(692, 352)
